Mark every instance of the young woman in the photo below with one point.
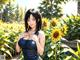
(32, 41)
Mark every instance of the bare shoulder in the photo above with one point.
(41, 37)
(41, 33)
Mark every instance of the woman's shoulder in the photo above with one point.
(41, 35)
(41, 32)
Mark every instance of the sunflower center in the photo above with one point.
(53, 23)
(44, 24)
(56, 34)
(63, 29)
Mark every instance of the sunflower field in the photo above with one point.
(9, 33)
(55, 30)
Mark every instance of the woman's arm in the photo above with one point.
(41, 43)
(17, 48)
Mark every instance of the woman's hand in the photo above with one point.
(35, 38)
(26, 35)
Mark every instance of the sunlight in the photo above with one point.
(70, 8)
(29, 3)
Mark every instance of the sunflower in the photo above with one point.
(64, 29)
(45, 23)
(56, 35)
(54, 22)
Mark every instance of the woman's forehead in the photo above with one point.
(31, 17)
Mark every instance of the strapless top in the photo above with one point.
(29, 49)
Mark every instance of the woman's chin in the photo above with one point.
(31, 26)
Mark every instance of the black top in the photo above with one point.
(29, 49)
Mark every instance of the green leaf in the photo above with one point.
(8, 46)
(68, 58)
(50, 54)
(8, 52)
(78, 46)
(72, 51)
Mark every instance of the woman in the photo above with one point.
(32, 41)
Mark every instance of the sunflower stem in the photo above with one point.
(59, 47)
(55, 53)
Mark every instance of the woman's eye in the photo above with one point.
(28, 19)
(33, 19)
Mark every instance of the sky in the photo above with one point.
(29, 3)
(69, 8)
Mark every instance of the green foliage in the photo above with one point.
(8, 12)
(75, 55)
(19, 13)
(51, 8)
(53, 50)
(73, 23)
(9, 33)
(11, 12)
(4, 2)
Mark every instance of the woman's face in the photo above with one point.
(32, 21)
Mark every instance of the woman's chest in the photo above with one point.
(28, 44)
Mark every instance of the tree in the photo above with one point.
(51, 8)
(8, 13)
(19, 13)
(4, 2)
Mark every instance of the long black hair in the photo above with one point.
(37, 17)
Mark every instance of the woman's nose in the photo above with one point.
(30, 21)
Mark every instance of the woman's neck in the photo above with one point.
(33, 29)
